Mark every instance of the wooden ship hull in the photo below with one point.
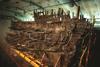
(63, 42)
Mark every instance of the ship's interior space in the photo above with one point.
(49, 33)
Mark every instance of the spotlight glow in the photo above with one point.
(96, 25)
(26, 18)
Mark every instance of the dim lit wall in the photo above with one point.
(4, 24)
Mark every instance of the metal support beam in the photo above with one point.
(12, 11)
(33, 3)
(8, 17)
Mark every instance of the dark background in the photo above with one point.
(95, 56)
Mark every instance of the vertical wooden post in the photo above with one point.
(93, 20)
(78, 11)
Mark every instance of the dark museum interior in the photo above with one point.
(49, 33)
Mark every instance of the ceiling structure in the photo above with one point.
(23, 9)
